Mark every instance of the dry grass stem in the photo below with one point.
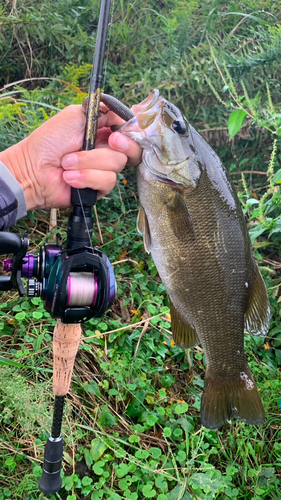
(144, 330)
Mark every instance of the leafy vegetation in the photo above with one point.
(132, 425)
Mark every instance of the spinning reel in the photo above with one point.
(76, 284)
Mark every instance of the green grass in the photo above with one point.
(132, 427)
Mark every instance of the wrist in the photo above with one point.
(18, 161)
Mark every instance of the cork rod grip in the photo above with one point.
(65, 346)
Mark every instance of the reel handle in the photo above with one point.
(5, 283)
(10, 243)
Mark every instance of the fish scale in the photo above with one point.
(193, 226)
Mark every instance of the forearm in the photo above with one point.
(17, 160)
(12, 199)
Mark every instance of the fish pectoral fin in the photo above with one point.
(184, 223)
(257, 316)
(183, 334)
(224, 399)
(143, 228)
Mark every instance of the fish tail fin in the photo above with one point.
(224, 399)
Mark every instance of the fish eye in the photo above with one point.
(179, 127)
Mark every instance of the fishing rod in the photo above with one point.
(95, 275)
(76, 283)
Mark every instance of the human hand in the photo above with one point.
(49, 161)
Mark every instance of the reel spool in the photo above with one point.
(82, 289)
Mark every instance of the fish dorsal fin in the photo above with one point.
(143, 228)
(257, 316)
(183, 334)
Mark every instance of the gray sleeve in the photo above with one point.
(12, 199)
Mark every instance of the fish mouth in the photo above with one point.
(144, 115)
(147, 104)
(154, 116)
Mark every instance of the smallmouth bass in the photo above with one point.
(193, 226)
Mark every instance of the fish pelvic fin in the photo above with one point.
(183, 334)
(224, 399)
(257, 316)
(143, 228)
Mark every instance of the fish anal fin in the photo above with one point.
(257, 316)
(143, 228)
(183, 334)
(224, 399)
